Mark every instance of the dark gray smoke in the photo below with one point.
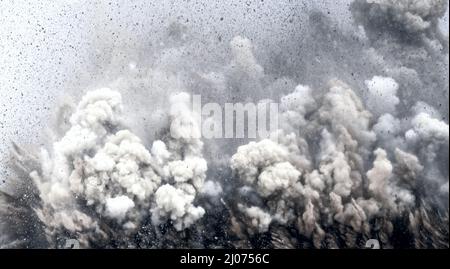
(361, 152)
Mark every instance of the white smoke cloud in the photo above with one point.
(349, 163)
(343, 181)
(118, 207)
(382, 95)
(259, 219)
(427, 128)
(98, 166)
(176, 204)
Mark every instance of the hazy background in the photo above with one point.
(53, 49)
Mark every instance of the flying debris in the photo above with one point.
(327, 177)
(360, 153)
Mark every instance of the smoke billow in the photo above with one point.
(99, 175)
(328, 176)
(409, 19)
(361, 151)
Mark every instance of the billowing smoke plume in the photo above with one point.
(99, 177)
(361, 151)
(408, 30)
(414, 19)
(327, 174)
